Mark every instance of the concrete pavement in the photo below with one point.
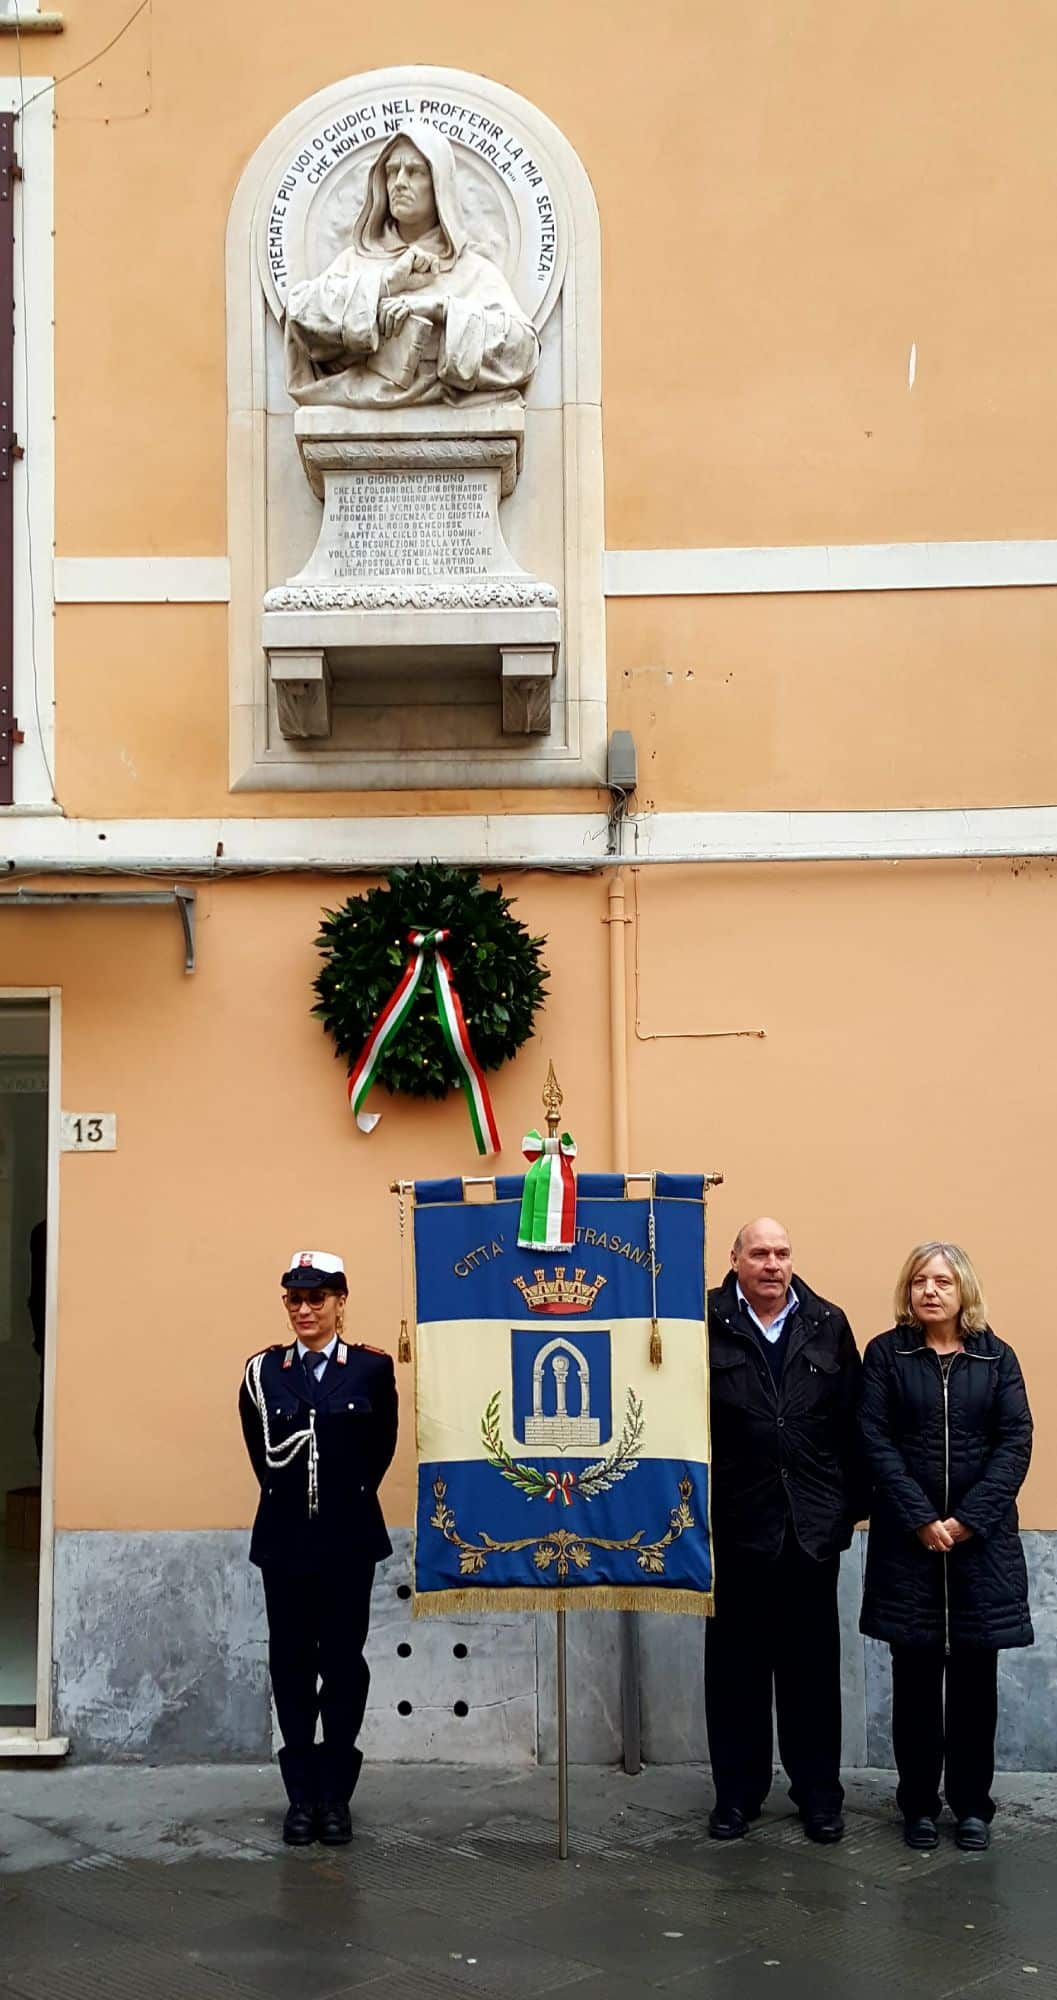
(170, 1884)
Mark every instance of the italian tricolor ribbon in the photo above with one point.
(456, 1034)
(548, 1204)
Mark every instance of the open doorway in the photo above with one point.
(24, 1030)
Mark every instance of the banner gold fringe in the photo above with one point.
(597, 1597)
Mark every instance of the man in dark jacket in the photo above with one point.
(319, 1418)
(787, 1490)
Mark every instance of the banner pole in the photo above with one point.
(617, 920)
(552, 1106)
(563, 1742)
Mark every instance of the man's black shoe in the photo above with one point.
(728, 1823)
(922, 1834)
(334, 1823)
(299, 1826)
(824, 1827)
(974, 1835)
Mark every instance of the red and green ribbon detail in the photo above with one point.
(548, 1203)
(453, 1026)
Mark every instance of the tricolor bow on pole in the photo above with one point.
(456, 1034)
(548, 1204)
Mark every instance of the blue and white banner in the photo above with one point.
(559, 1466)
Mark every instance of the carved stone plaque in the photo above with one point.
(410, 520)
(427, 524)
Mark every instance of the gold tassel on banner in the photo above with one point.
(656, 1350)
(403, 1345)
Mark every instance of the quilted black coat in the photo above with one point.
(963, 1451)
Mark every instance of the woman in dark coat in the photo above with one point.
(947, 1430)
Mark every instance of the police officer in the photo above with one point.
(319, 1418)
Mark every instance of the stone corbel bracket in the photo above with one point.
(502, 454)
(302, 683)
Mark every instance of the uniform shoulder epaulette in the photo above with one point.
(274, 1347)
(364, 1347)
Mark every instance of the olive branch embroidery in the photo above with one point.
(561, 1548)
(527, 1478)
(609, 1471)
(595, 1479)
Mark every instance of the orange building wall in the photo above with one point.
(838, 702)
(809, 191)
(790, 200)
(904, 1088)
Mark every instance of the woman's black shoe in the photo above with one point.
(334, 1823)
(974, 1835)
(922, 1834)
(728, 1823)
(299, 1826)
(824, 1827)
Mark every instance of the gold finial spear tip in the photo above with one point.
(552, 1101)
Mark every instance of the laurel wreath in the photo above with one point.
(497, 970)
(595, 1479)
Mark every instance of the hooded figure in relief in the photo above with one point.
(409, 313)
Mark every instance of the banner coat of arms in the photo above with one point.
(557, 1468)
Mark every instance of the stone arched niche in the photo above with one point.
(415, 503)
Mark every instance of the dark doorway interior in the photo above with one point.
(23, 1233)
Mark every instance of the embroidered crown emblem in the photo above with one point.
(560, 1294)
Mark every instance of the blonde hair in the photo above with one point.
(972, 1316)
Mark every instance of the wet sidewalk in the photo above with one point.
(172, 1885)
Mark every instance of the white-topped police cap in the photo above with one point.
(312, 1268)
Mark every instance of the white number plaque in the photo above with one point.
(89, 1131)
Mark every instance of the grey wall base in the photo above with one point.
(160, 1652)
(160, 1649)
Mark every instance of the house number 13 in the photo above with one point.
(89, 1131)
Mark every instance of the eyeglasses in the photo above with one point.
(315, 1301)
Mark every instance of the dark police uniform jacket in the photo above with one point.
(355, 1426)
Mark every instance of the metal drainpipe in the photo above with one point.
(630, 1675)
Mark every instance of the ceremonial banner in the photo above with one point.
(559, 1467)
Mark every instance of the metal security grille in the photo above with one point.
(9, 732)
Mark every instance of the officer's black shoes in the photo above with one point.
(728, 1823)
(334, 1823)
(328, 1822)
(824, 1827)
(922, 1834)
(299, 1826)
(974, 1835)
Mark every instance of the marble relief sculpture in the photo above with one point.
(409, 313)
(414, 423)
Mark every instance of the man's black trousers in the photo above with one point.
(945, 1729)
(775, 1634)
(317, 1630)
